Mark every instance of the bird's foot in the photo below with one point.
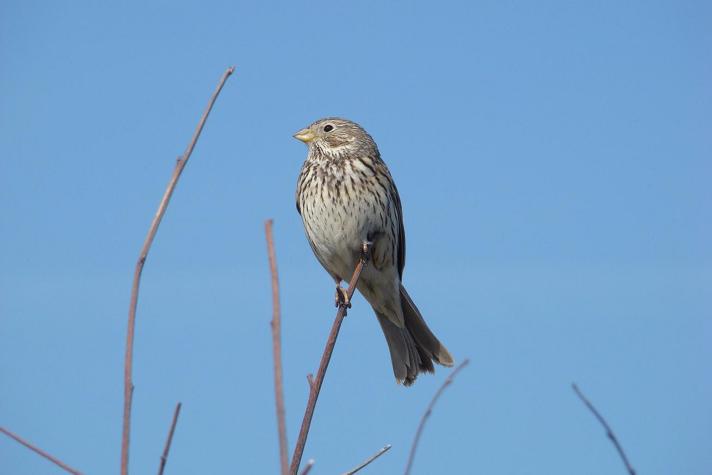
(342, 297)
(366, 249)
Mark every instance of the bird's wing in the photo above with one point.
(401, 231)
(299, 189)
(300, 183)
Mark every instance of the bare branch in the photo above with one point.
(609, 431)
(40, 452)
(308, 467)
(128, 359)
(315, 385)
(448, 381)
(369, 460)
(276, 325)
(167, 447)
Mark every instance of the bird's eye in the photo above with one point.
(328, 128)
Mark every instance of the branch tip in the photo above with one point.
(169, 439)
(373, 457)
(429, 410)
(609, 432)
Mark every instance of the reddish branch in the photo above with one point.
(276, 325)
(41, 452)
(167, 447)
(128, 359)
(448, 381)
(609, 431)
(315, 383)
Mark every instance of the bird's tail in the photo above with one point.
(413, 348)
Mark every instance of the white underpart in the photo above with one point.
(338, 230)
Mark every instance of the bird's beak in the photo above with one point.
(305, 135)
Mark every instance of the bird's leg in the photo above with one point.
(342, 295)
(366, 249)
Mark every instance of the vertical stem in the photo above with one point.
(276, 325)
(128, 357)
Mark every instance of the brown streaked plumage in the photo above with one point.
(346, 196)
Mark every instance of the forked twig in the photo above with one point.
(169, 439)
(369, 460)
(40, 452)
(609, 431)
(276, 325)
(448, 381)
(315, 384)
(128, 359)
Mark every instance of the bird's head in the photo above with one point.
(335, 137)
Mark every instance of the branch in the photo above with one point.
(276, 325)
(315, 385)
(448, 381)
(128, 359)
(40, 452)
(369, 460)
(164, 457)
(609, 431)
(308, 467)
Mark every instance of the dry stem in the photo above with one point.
(276, 325)
(369, 460)
(448, 381)
(609, 431)
(167, 447)
(315, 385)
(41, 452)
(128, 359)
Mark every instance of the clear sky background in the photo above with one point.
(554, 160)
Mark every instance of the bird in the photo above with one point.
(349, 203)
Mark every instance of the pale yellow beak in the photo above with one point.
(305, 135)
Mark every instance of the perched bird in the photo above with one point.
(347, 198)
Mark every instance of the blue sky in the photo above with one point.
(554, 161)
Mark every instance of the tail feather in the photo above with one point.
(419, 329)
(413, 348)
(406, 357)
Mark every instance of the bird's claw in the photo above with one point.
(342, 297)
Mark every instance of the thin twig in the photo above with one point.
(448, 381)
(40, 452)
(276, 325)
(315, 386)
(609, 431)
(167, 447)
(128, 359)
(308, 467)
(369, 460)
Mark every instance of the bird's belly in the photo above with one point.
(337, 230)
